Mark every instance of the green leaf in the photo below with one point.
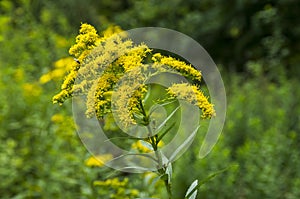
(123, 137)
(185, 143)
(166, 120)
(169, 172)
(165, 132)
(193, 196)
(208, 178)
(191, 189)
(164, 177)
(147, 145)
(138, 154)
(155, 180)
(163, 104)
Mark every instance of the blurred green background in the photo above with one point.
(255, 44)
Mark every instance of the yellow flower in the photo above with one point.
(127, 102)
(112, 58)
(99, 96)
(85, 41)
(140, 147)
(61, 97)
(114, 183)
(194, 95)
(117, 188)
(31, 90)
(61, 67)
(185, 69)
(133, 58)
(98, 161)
(45, 78)
(57, 118)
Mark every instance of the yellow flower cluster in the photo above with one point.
(98, 161)
(184, 69)
(194, 95)
(129, 95)
(114, 182)
(61, 67)
(117, 188)
(112, 66)
(99, 99)
(100, 92)
(85, 41)
(133, 58)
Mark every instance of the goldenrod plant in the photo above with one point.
(112, 71)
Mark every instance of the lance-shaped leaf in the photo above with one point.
(208, 178)
(165, 132)
(191, 193)
(183, 145)
(166, 120)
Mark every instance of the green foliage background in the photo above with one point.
(254, 43)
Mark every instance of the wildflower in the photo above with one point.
(134, 58)
(114, 183)
(128, 96)
(85, 41)
(111, 71)
(61, 67)
(192, 94)
(185, 69)
(117, 188)
(98, 161)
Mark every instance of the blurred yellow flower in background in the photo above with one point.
(57, 118)
(61, 67)
(98, 161)
(141, 147)
(31, 90)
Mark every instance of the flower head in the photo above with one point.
(112, 72)
(194, 95)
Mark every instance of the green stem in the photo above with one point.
(162, 169)
(168, 187)
(154, 146)
(154, 142)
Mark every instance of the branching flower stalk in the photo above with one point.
(112, 72)
(153, 140)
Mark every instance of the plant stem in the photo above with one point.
(161, 168)
(154, 142)
(168, 187)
